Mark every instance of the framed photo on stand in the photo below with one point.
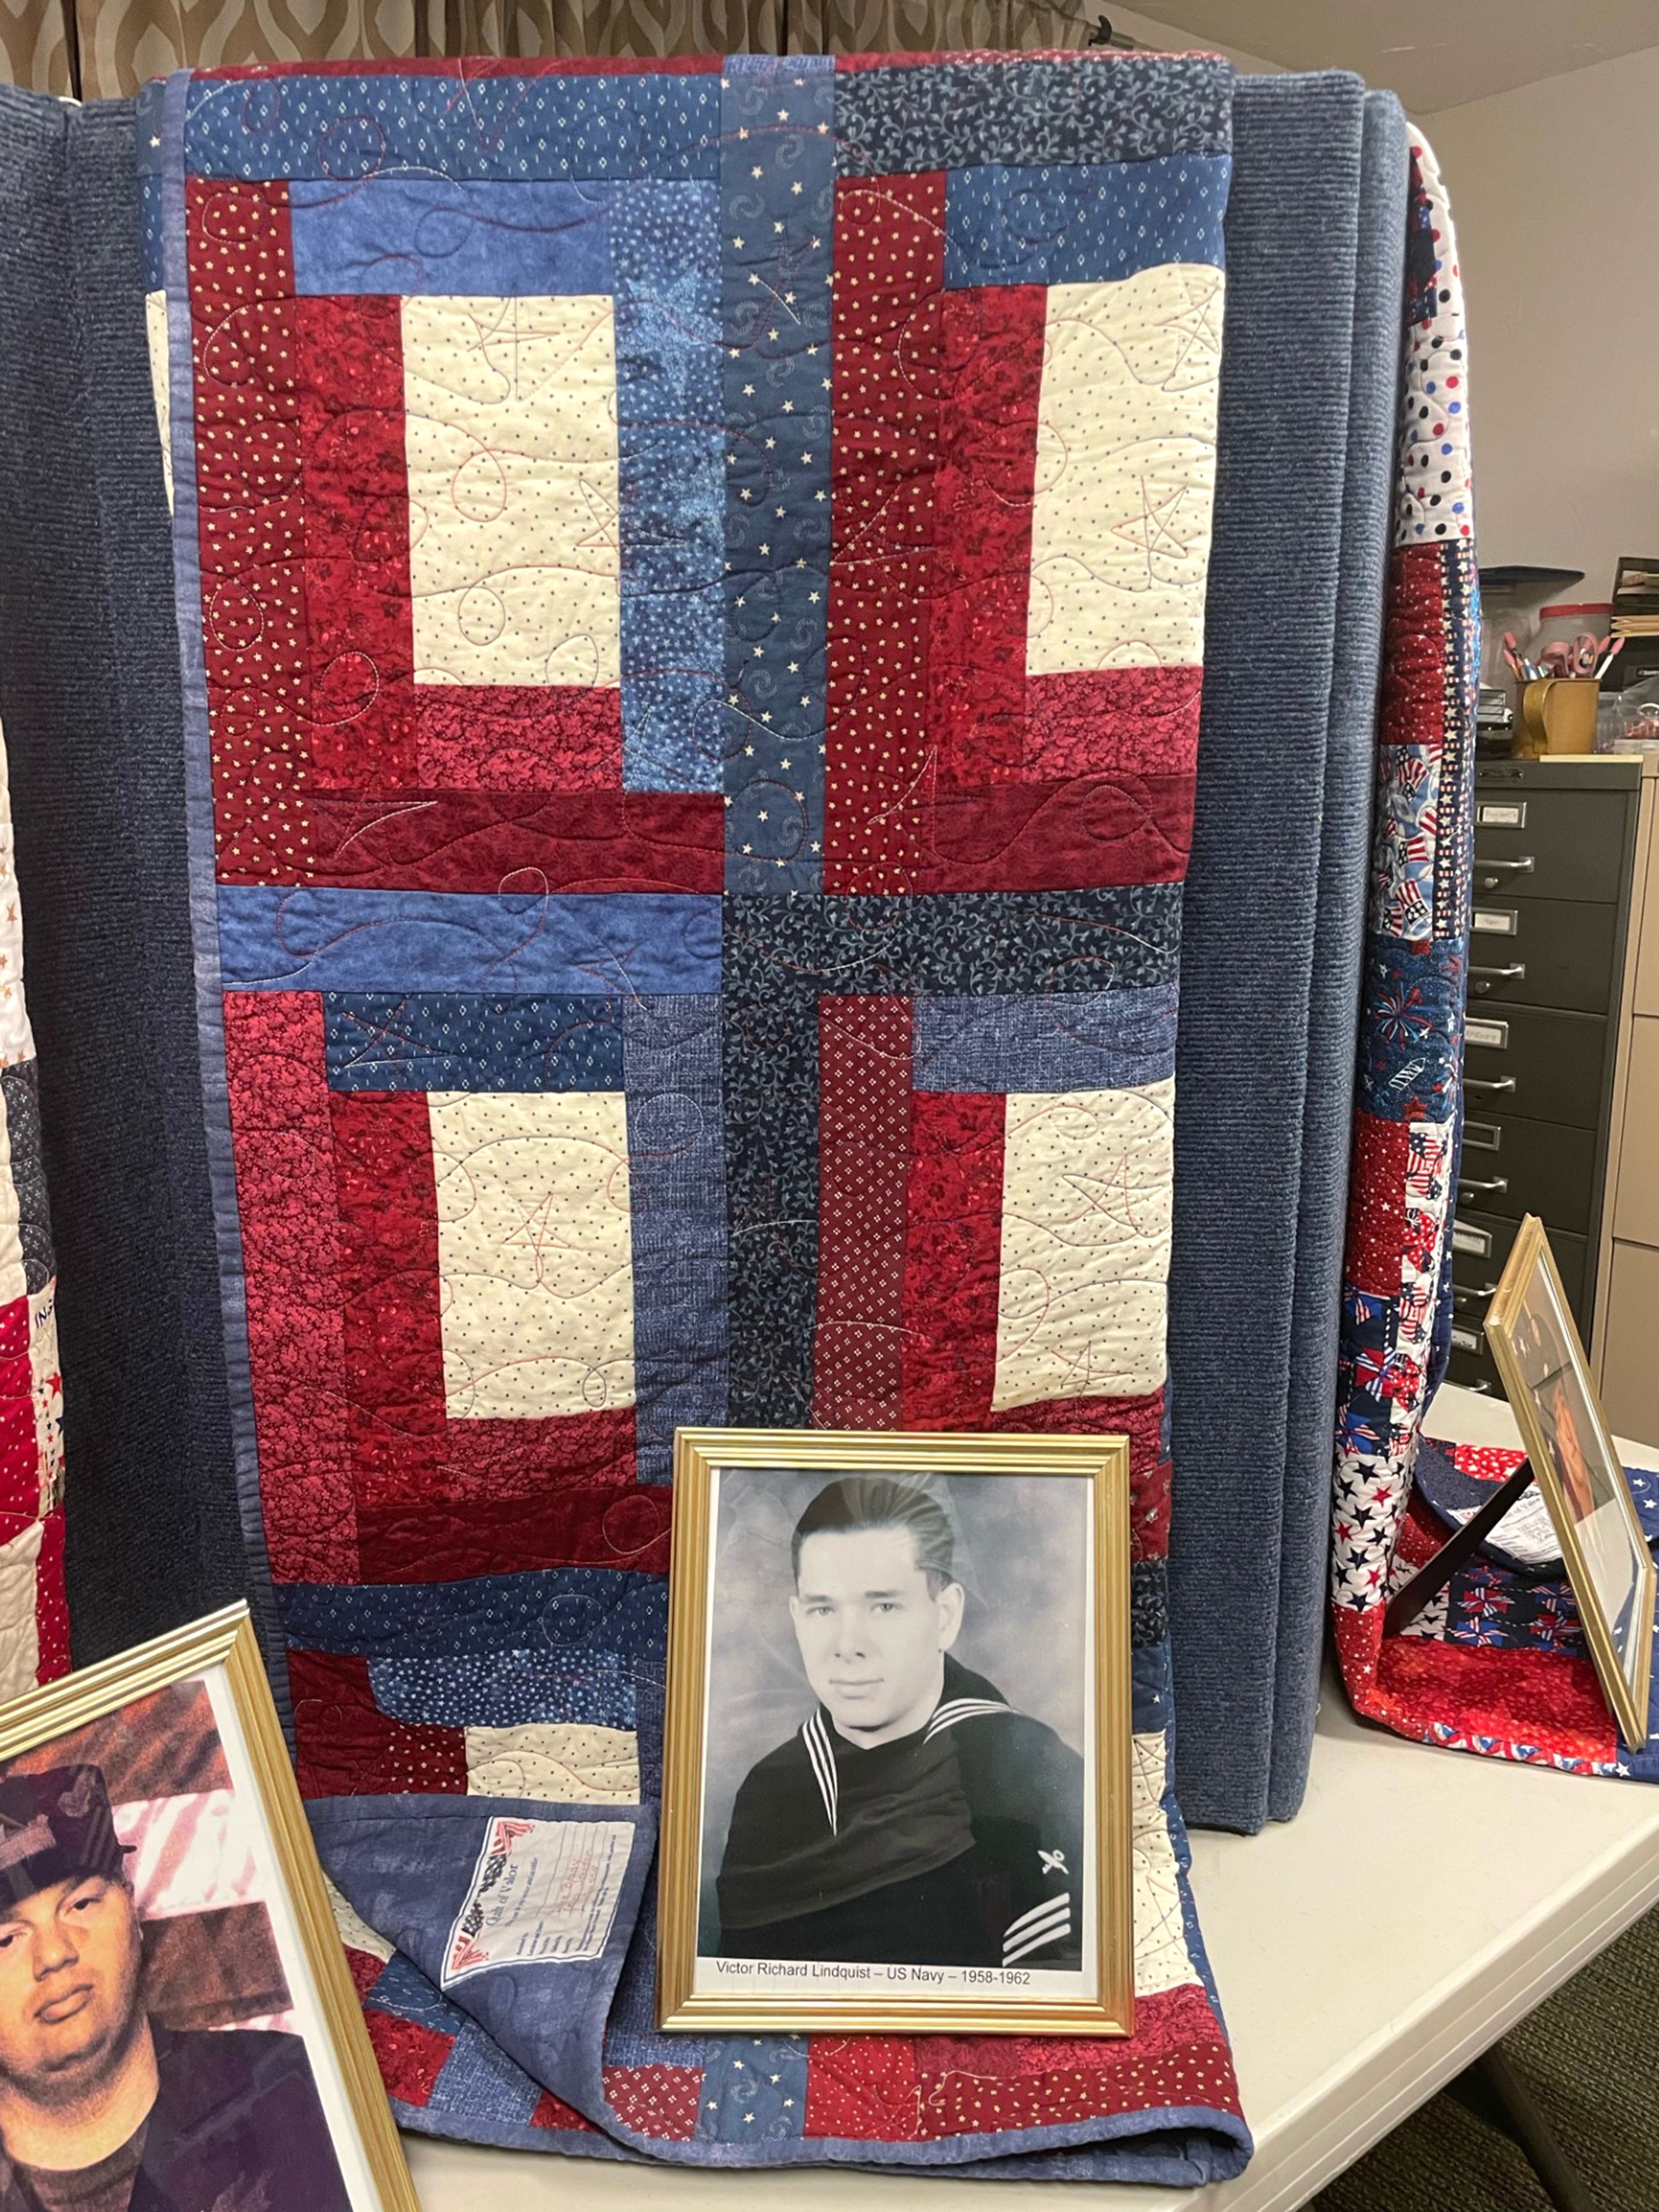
(177, 2024)
(1530, 1328)
(896, 1793)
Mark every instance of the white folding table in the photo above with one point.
(1420, 1903)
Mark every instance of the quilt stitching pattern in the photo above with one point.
(699, 579)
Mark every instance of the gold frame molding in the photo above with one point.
(1529, 1255)
(1102, 1459)
(226, 1639)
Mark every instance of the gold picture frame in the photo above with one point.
(1000, 2002)
(234, 1719)
(1546, 1376)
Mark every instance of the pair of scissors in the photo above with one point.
(1578, 659)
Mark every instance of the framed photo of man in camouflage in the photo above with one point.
(895, 1789)
(179, 2031)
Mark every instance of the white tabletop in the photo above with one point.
(1421, 1902)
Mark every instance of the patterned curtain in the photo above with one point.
(115, 45)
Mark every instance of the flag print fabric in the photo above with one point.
(692, 582)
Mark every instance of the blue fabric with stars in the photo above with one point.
(754, 2088)
(1084, 223)
(346, 128)
(454, 1041)
(777, 204)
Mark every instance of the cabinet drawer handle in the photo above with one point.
(1463, 1293)
(1481, 1389)
(1489, 1083)
(1482, 978)
(1497, 870)
(1492, 1183)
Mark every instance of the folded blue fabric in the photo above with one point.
(1252, 918)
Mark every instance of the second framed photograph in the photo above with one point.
(178, 2029)
(1530, 1328)
(896, 1785)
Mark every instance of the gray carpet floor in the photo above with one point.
(1588, 2057)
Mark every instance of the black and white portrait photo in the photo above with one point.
(898, 1718)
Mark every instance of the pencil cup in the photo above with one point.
(1557, 715)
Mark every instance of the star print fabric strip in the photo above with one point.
(777, 207)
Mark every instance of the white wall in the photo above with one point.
(1555, 193)
(1167, 38)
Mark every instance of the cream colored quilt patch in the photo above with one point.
(515, 554)
(1087, 1178)
(1124, 471)
(534, 1252)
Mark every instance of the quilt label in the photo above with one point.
(544, 1893)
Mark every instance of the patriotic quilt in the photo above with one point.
(691, 583)
(1497, 1663)
(33, 1619)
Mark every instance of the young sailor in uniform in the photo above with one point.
(915, 1818)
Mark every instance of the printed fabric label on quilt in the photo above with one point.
(544, 1893)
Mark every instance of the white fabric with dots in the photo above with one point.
(1087, 1188)
(1435, 499)
(1164, 1958)
(535, 1252)
(1124, 471)
(514, 552)
(562, 1763)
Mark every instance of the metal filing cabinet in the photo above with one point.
(1554, 841)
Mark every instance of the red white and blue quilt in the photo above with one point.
(692, 582)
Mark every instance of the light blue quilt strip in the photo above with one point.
(1086, 224)
(1055, 1042)
(277, 938)
(465, 237)
(451, 123)
(677, 1194)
